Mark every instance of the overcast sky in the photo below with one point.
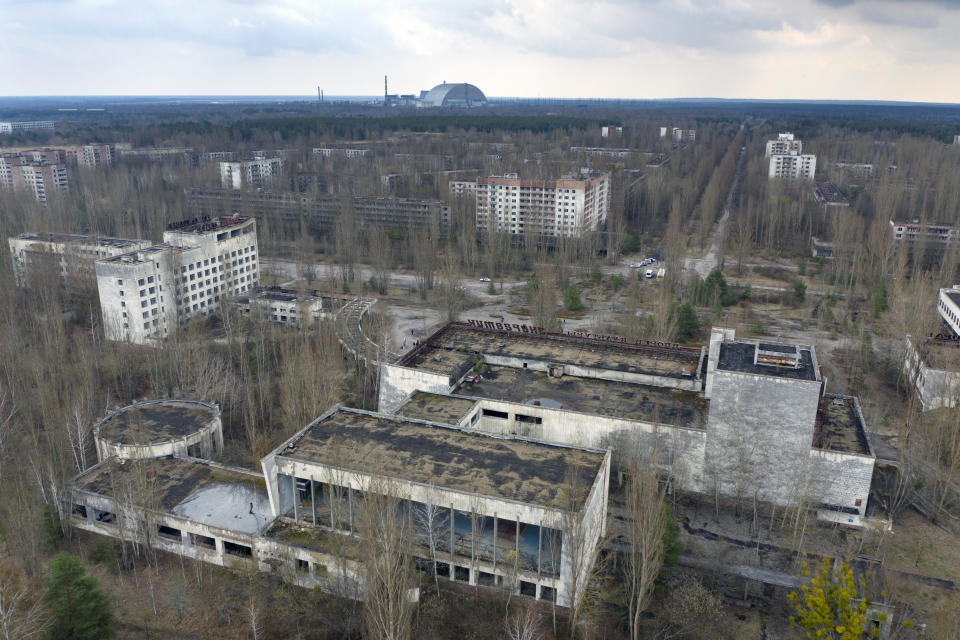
(811, 49)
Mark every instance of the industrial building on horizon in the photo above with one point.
(449, 95)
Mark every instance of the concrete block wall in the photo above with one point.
(397, 383)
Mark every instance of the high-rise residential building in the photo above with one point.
(678, 134)
(95, 155)
(246, 173)
(67, 254)
(785, 144)
(40, 179)
(787, 159)
(10, 127)
(147, 294)
(566, 207)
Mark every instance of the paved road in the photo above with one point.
(703, 266)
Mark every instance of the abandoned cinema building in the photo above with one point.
(488, 428)
(742, 418)
(485, 508)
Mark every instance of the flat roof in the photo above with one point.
(455, 344)
(281, 294)
(75, 238)
(435, 407)
(156, 421)
(189, 488)
(461, 460)
(942, 351)
(590, 395)
(207, 224)
(838, 426)
(954, 296)
(739, 356)
(141, 255)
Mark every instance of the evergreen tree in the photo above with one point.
(571, 298)
(688, 325)
(79, 609)
(831, 605)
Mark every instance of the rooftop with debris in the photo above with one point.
(435, 407)
(156, 421)
(588, 395)
(454, 345)
(456, 459)
(768, 359)
(839, 426)
(233, 499)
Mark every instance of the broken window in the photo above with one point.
(303, 565)
(485, 579)
(79, 511)
(235, 549)
(106, 517)
(529, 419)
(461, 574)
(169, 533)
(205, 542)
(490, 413)
(443, 569)
(528, 589)
(548, 593)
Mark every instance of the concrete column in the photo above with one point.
(296, 499)
(539, 547)
(452, 517)
(495, 544)
(313, 502)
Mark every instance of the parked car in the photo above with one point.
(484, 279)
(637, 265)
(649, 273)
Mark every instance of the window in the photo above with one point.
(490, 413)
(235, 549)
(204, 542)
(169, 533)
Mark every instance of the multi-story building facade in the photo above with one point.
(41, 179)
(678, 134)
(95, 155)
(69, 255)
(785, 144)
(148, 294)
(462, 188)
(247, 173)
(10, 127)
(567, 207)
(289, 210)
(339, 152)
(197, 159)
(926, 241)
(800, 167)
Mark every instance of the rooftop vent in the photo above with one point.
(776, 355)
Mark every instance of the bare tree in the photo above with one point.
(385, 532)
(645, 524)
(524, 625)
(21, 613)
(431, 530)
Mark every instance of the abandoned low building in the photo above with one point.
(933, 363)
(156, 428)
(484, 509)
(740, 417)
(291, 307)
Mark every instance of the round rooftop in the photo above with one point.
(455, 95)
(156, 421)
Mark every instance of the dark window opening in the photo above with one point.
(548, 593)
(235, 549)
(524, 365)
(528, 589)
(169, 533)
(303, 566)
(461, 574)
(194, 451)
(79, 511)
(490, 413)
(106, 517)
(529, 419)
(485, 579)
(443, 569)
(205, 542)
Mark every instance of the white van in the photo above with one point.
(648, 274)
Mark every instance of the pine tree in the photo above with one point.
(79, 609)
(831, 605)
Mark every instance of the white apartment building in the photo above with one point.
(567, 207)
(462, 188)
(785, 144)
(148, 294)
(948, 305)
(329, 152)
(802, 167)
(72, 255)
(678, 134)
(10, 127)
(235, 175)
(95, 155)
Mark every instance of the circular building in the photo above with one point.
(157, 428)
(454, 95)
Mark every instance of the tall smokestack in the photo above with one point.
(384, 89)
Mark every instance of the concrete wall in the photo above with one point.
(678, 451)
(397, 383)
(842, 479)
(209, 439)
(935, 388)
(759, 433)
